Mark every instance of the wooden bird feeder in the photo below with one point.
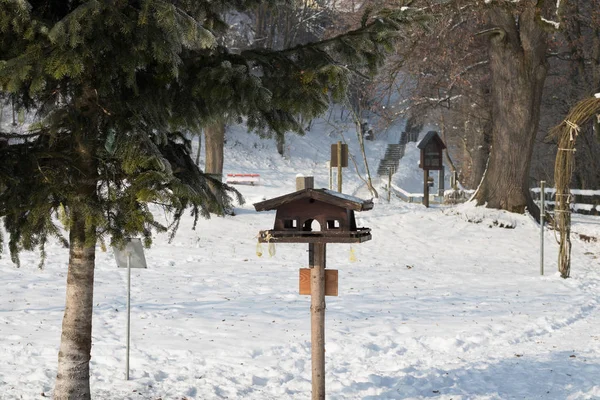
(316, 217)
(431, 147)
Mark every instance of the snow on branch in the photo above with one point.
(465, 70)
(555, 24)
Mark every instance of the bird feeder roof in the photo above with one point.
(324, 195)
(431, 135)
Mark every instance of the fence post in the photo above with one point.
(441, 183)
(542, 212)
(426, 188)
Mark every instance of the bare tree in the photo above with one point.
(517, 51)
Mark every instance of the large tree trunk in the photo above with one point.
(73, 378)
(280, 140)
(517, 62)
(214, 141)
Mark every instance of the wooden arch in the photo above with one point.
(566, 133)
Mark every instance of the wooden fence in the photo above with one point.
(585, 202)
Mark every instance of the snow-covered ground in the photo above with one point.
(442, 303)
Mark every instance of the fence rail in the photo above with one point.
(582, 201)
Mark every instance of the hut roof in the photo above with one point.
(431, 135)
(324, 195)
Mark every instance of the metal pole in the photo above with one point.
(128, 314)
(339, 165)
(317, 319)
(542, 212)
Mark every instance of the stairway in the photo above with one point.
(394, 153)
(391, 159)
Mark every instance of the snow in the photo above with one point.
(343, 196)
(443, 303)
(555, 24)
(409, 177)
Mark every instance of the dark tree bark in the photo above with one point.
(517, 50)
(199, 136)
(280, 140)
(214, 141)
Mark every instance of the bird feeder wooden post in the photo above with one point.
(431, 147)
(334, 213)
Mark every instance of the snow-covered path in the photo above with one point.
(435, 307)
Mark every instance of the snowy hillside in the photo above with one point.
(441, 304)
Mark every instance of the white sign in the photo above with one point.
(134, 249)
(130, 256)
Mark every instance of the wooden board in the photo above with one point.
(334, 155)
(331, 282)
(362, 235)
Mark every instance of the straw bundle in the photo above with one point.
(566, 133)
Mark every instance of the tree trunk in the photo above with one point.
(280, 140)
(199, 148)
(479, 153)
(361, 142)
(214, 141)
(73, 378)
(517, 62)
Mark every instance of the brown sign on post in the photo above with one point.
(331, 282)
(334, 155)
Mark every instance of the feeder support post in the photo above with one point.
(317, 319)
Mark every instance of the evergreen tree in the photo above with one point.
(114, 85)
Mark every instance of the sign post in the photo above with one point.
(128, 315)
(339, 159)
(130, 256)
(426, 187)
(339, 166)
(441, 183)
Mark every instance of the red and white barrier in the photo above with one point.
(243, 179)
